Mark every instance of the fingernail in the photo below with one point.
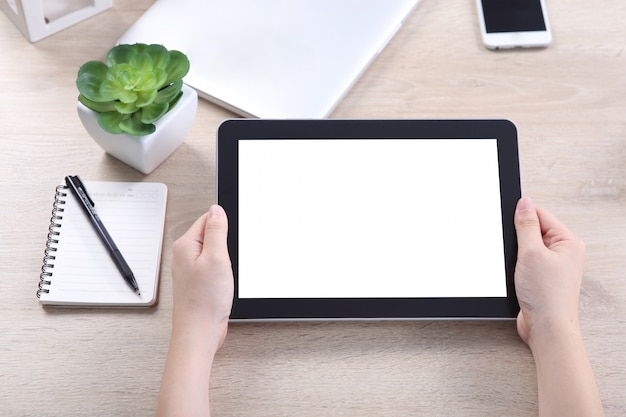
(216, 210)
(525, 203)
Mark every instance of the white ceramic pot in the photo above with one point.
(145, 153)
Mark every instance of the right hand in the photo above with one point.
(548, 273)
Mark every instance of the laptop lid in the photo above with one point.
(275, 58)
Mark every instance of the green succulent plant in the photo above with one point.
(136, 86)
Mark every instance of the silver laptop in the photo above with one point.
(273, 58)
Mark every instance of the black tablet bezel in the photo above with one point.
(231, 131)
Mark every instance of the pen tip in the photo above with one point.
(138, 293)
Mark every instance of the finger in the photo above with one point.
(527, 224)
(554, 232)
(216, 232)
(191, 242)
(548, 220)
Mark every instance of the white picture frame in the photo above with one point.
(37, 19)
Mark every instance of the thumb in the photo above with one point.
(216, 231)
(527, 224)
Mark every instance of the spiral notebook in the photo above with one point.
(77, 269)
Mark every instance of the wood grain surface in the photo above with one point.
(569, 104)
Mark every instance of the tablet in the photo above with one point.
(370, 219)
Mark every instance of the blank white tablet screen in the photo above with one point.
(370, 218)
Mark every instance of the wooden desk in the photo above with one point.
(569, 103)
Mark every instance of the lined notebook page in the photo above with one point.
(83, 272)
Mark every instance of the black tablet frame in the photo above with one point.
(231, 131)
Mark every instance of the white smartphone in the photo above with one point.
(506, 24)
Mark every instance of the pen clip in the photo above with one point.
(75, 182)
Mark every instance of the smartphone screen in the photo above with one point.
(513, 16)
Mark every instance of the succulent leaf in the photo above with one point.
(146, 82)
(110, 121)
(90, 76)
(127, 96)
(160, 56)
(161, 77)
(145, 98)
(173, 102)
(120, 54)
(110, 89)
(154, 112)
(168, 93)
(178, 66)
(142, 62)
(99, 107)
(125, 108)
(134, 126)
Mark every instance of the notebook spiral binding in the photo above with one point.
(52, 241)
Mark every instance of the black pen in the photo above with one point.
(78, 189)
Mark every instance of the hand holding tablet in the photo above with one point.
(548, 279)
(350, 219)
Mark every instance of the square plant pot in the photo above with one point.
(145, 153)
